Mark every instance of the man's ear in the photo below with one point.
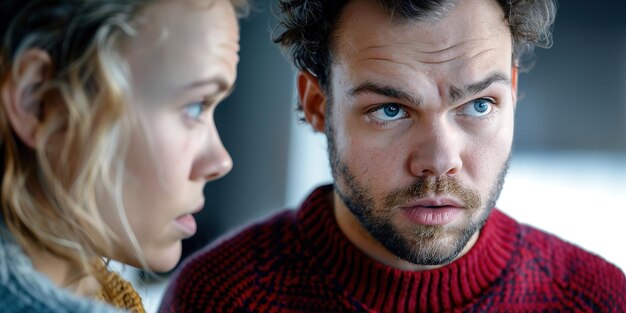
(514, 73)
(313, 101)
(20, 96)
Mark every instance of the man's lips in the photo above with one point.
(432, 211)
(434, 203)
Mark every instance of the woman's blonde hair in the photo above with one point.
(52, 202)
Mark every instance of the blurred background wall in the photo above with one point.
(568, 174)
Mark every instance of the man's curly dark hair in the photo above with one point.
(306, 27)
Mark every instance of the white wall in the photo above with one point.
(580, 197)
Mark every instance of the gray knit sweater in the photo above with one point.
(24, 290)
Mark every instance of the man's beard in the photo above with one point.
(418, 244)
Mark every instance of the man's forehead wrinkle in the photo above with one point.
(362, 61)
(447, 47)
(365, 60)
(483, 51)
(477, 54)
(421, 48)
(382, 53)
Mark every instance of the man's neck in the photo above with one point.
(363, 240)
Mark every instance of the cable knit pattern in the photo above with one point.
(117, 291)
(300, 261)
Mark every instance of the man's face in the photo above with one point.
(420, 124)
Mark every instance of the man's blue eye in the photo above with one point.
(195, 109)
(478, 107)
(389, 112)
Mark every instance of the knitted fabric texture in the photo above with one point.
(117, 291)
(23, 289)
(300, 261)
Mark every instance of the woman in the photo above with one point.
(107, 139)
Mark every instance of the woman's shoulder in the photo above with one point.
(23, 289)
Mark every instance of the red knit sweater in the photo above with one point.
(300, 261)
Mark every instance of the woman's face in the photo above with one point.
(182, 64)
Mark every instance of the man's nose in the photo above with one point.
(436, 150)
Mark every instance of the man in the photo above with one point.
(417, 100)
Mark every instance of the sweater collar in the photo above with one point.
(383, 288)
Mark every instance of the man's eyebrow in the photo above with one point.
(387, 91)
(457, 94)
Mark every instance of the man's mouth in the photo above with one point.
(432, 211)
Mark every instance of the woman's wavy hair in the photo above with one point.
(306, 27)
(51, 202)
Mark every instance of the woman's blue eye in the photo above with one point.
(389, 112)
(195, 109)
(478, 108)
